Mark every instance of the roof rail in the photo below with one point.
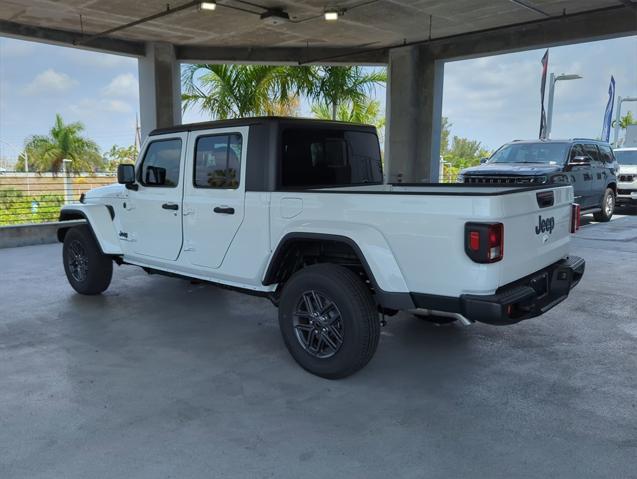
(586, 139)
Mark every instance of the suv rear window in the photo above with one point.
(323, 158)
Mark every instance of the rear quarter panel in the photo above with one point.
(416, 242)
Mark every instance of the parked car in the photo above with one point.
(296, 211)
(588, 165)
(627, 185)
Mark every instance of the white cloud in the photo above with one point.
(124, 85)
(91, 108)
(49, 81)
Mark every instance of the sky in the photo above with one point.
(492, 99)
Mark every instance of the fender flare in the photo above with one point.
(390, 288)
(99, 219)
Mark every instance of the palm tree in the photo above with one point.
(366, 112)
(232, 91)
(333, 86)
(64, 141)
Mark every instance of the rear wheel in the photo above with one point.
(88, 270)
(329, 321)
(608, 207)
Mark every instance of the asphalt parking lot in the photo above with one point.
(160, 378)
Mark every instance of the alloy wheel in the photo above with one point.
(318, 325)
(77, 261)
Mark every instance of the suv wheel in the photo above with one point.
(608, 207)
(88, 270)
(329, 320)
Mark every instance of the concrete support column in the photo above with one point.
(414, 114)
(159, 88)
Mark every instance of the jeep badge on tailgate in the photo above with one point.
(545, 225)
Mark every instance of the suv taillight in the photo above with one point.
(484, 242)
(576, 213)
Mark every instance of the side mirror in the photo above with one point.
(580, 161)
(483, 160)
(126, 175)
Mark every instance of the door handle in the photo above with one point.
(170, 206)
(226, 210)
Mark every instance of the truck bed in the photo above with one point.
(423, 228)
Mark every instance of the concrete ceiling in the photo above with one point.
(364, 24)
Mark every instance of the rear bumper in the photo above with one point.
(526, 298)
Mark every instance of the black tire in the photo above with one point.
(431, 318)
(608, 207)
(88, 270)
(356, 331)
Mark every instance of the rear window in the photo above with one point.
(324, 158)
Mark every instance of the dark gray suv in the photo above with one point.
(589, 165)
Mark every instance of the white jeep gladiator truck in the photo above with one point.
(297, 211)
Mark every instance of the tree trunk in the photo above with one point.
(334, 108)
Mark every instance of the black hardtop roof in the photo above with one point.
(258, 120)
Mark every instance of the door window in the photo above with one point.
(591, 150)
(160, 166)
(218, 161)
(577, 150)
(606, 153)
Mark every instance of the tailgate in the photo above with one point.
(536, 230)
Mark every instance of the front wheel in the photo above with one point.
(329, 320)
(88, 270)
(608, 207)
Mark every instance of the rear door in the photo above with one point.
(581, 177)
(214, 194)
(151, 216)
(599, 174)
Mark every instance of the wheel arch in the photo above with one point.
(293, 249)
(99, 219)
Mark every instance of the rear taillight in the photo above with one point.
(576, 213)
(484, 242)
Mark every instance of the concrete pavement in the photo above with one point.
(161, 378)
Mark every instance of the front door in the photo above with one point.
(152, 222)
(214, 194)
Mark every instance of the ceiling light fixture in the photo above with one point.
(332, 14)
(208, 5)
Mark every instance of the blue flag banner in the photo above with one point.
(608, 115)
(545, 66)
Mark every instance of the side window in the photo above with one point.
(606, 153)
(160, 166)
(591, 150)
(322, 157)
(217, 161)
(576, 150)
